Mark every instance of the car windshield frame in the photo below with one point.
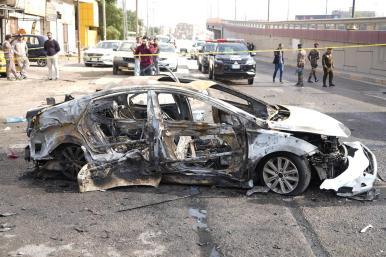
(123, 44)
(233, 48)
(170, 49)
(108, 45)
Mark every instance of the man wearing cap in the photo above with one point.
(328, 65)
(313, 57)
(301, 60)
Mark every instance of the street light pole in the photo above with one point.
(104, 18)
(235, 9)
(78, 21)
(326, 7)
(124, 20)
(136, 18)
(269, 3)
(147, 17)
(353, 9)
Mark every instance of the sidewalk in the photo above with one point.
(378, 80)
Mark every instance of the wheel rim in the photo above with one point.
(281, 175)
(72, 159)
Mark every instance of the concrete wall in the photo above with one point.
(368, 60)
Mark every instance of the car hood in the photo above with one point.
(310, 121)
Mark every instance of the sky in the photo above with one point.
(171, 12)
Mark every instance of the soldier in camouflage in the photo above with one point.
(313, 57)
(301, 61)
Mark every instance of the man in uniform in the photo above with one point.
(9, 61)
(313, 57)
(328, 65)
(301, 60)
(21, 51)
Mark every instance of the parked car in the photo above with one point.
(102, 54)
(195, 49)
(203, 57)
(124, 57)
(231, 60)
(147, 129)
(168, 57)
(36, 52)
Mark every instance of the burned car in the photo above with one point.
(145, 130)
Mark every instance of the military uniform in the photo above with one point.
(328, 65)
(313, 57)
(301, 60)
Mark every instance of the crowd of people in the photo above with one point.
(313, 57)
(16, 48)
(146, 56)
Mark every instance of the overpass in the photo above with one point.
(370, 60)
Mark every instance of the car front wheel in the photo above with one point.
(71, 158)
(42, 62)
(250, 81)
(115, 70)
(285, 174)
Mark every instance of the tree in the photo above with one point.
(112, 33)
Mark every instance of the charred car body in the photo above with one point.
(143, 130)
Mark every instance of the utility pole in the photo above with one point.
(218, 9)
(269, 4)
(78, 21)
(235, 10)
(288, 8)
(104, 18)
(147, 17)
(353, 9)
(326, 7)
(124, 20)
(136, 18)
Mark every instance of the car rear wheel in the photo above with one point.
(250, 81)
(42, 62)
(71, 158)
(285, 174)
(88, 64)
(200, 67)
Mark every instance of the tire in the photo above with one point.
(284, 173)
(199, 67)
(71, 158)
(250, 81)
(42, 62)
(115, 70)
(88, 64)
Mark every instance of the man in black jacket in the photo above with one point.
(328, 65)
(278, 60)
(52, 48)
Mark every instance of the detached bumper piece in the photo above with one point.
(360, 175)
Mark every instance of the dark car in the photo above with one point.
(231, 60)
(36, 52)
(203, 60)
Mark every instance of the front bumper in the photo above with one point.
(125, 65)
(99, 60)
(244, 71)
(360, 175)
(167, 64)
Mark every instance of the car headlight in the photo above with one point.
(250, 62)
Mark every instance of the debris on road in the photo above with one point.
(6, 227)
(7, 129)
(7, 214)
(81, 229)
(15, 119)
(367, 196)
(12, 154)
(366, 228)
(258, 189)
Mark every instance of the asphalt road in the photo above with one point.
(53, 219)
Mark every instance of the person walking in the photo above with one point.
(52, 48)
(278, 60)
(301, 60)
(9, 60)
(146, 61)
(137, 59)
(156, 57)
(313, 57)
(21, 52)
(328, 65)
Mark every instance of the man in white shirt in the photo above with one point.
(21, 51)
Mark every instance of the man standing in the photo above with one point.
(147, 60)
(52, 48)
(156, 57)
(301, 60)
(137, 59)
(9, 61)
(21, 51)
(313, 57)
(278, 60)
(328, 65)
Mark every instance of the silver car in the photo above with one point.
(147, 129)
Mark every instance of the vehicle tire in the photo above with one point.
(42, 62)
(72, 159)
(284, 173)
(199, 67)
(115, 70)
(250, 81)
(210, 73)
(88, 64)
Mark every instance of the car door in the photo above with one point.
(205, 146)
(119, 142)
(34, 48)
